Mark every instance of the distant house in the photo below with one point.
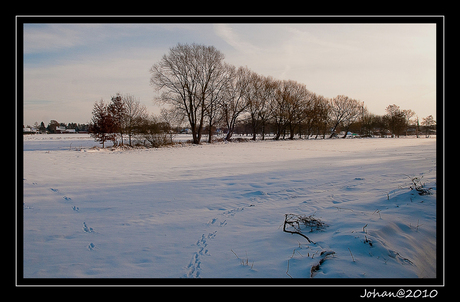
(27, 130)
(59, 129)
(62, 129)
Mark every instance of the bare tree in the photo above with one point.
(428, 122)
(255, 101)
(298, 101)
(355, 109)
(321, 108)
(395, 120)
(408, 115)
(235, 102)
(368, 121)
(278, 107)
(338, 111)
(183, 77)
(311, 114)
(199, 88)
(289, 107)
(343, 110)
(267, 97)
(135, 112)
(215, 98)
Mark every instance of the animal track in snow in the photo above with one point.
(212, 235)
(193, 269)
(214, 220)
(232, 212)
(86, 229)
(75, 208)
(64, 197)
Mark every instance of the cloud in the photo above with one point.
(45, 38)
(54, 37)
(69, 66)
(71, 88)
(306, 38)
(38, 104)
(227, 33)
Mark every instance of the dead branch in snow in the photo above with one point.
(323, 256)
(295, 220)
(419, 186)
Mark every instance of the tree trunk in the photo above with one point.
(254, 127)
(291, 131)
(194, 134)
(263, 129)
(229, 135)
(210, 131)
(210, 135)
(346, 132)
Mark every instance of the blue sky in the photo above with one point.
(67, 67)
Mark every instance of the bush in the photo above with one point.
(157, 140)
(418, 186)
(153, 133)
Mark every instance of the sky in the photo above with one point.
(67, 67)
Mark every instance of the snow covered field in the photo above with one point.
(213, 211)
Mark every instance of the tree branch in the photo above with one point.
(293, 232)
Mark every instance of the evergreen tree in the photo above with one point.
(102, 126)
(117, 110)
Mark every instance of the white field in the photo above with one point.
(186, 211)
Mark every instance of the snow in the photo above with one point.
(217, 210)
(48, 142)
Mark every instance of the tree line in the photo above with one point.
(126, 118)
(205, 93)
(53, 124)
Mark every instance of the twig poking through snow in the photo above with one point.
(351, 255)
(243, 262)
(295, 220)
(323, 256)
